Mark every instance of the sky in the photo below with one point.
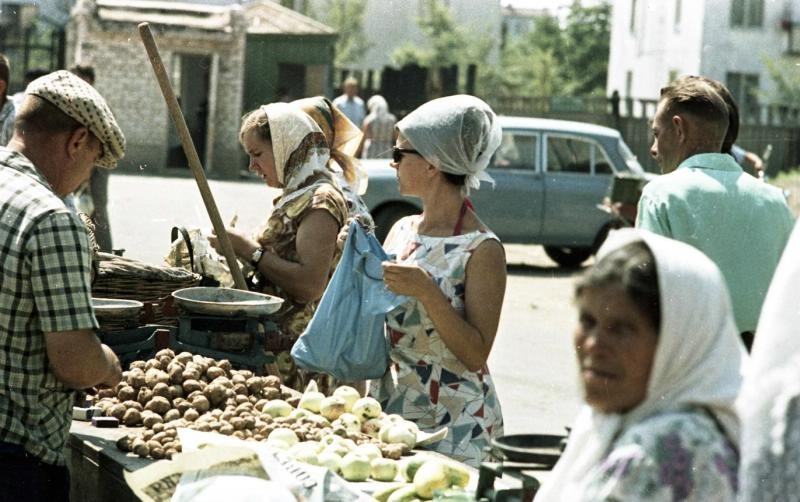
(539, 4)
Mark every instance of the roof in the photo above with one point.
(265, 17)
(189, 15)
(261, 16)
(567, 126)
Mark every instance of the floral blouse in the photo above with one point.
(673, 456)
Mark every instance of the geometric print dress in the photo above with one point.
(425, 382)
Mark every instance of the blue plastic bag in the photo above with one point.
(345, 338)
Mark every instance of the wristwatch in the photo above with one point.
(256, 257)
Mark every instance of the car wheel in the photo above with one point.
(387, 216)
(568, 257)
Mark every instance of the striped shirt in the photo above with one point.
(44, 287)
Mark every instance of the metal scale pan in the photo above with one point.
(226, 302)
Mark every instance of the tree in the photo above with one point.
(786, 76)
(587, 41)
(347, 18)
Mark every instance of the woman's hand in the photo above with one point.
(242, 245)
(409, 280)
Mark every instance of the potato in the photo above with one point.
(201, 403)
(139, 365)
(136, 378)
(142, 450)
(159, 405)
(101, 393)
(225, 365)
(293, 401)
(117, 411)
(134, 404)
(214, 372)
(191, 415)
(132, 417)
(190, 386)
(144, 396)
(126, 393)
(241, 399)
(158, 453)
(175, 391)
(215, 393)
(240, 389)
(152, 364)
(191, 373)
(161, 389)
(203, 427)
(237, 423)
(273, 382)
(172, 433)
(153, 444)
(226, 429)
(165, 352)
(175, 371)
(223, 381)
(255, 385)
(271, 393)
(150, 419)
(254, 399)
(154, 376)
(183, 406)
(158, 426)
(216, 413)
(146, 435)
(183, 357)
(164, 361)
(238, 378)
(125, 443)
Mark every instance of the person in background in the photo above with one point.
(98, 183)
(349, 102)
(378, 127)
(452, 268)
(30, 76)
(660, 364)
(769, 403)
(704, 199)
(6, 106)
(48, 345)
(294, 256)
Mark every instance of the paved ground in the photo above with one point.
(532, 360)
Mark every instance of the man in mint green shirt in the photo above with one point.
(706, 200)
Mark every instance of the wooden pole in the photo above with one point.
(191, 154)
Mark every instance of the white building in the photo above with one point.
(654, 41)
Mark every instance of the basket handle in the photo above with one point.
(185, 235)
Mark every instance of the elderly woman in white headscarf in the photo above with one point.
(770, 400)
(452, 268)
(301, 147)
(660, 364)
(379, 129)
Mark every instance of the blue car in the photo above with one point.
(551, 177)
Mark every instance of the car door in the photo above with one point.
(577, 176)
(513, 209)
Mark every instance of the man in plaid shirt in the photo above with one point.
(47, 342)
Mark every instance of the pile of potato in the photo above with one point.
(196, 392)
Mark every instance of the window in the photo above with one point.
(744, 89)
(672, 76)
(677, 24)
(516, 151)
(747, 13)
(633, 16)
(576, 155)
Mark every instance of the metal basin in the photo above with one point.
(226, 302)
(544, 449)
(111, 308)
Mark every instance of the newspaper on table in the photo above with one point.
(213, 464)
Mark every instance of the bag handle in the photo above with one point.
(185, 235)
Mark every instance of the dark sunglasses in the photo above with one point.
(397, 153)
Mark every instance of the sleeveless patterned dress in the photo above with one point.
(425, 382)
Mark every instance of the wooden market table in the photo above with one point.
(96, 464)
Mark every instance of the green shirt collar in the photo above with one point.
(716, 161)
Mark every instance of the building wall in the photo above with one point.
(126, 79)
(704, 42)
(660, 45)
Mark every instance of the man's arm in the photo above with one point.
(79, 360)
(649, 216)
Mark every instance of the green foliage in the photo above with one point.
(347, 18)
(786, 75)
(568, 60)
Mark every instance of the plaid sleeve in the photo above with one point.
(60, 273)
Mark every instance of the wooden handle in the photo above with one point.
(191, 154)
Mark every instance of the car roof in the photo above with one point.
(567, 126)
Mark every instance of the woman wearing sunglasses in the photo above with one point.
(453, 270)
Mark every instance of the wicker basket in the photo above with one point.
(128, 279)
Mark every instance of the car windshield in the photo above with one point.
(630, 158)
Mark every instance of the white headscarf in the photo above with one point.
(698, 360)
(773, 375)
(456, 134)
(377, 106)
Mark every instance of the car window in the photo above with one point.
(516, 151)
(571, 154)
